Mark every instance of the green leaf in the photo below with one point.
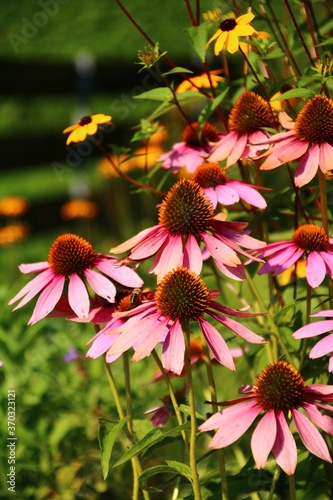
(172, 467)
(306, 93)
(185, 98)
(210, 108)
(197, 36)
(158, 94)
(107, 435)
(150, 439)
(177, 69)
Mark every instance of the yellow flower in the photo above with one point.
(200, 81)
(229, 31)
(88, 125)
(298, 270)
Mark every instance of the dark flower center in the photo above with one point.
(85, 120)
(210, 175)
(194, 139)
(182, 295)
(228, 24)
(314, 122)
(311, 238)
(279, 387)
(71, 254)
(186, 210)
(250, 113)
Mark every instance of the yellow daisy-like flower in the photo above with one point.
(229, 31)
(88, 125)
(298, 270)
(200, 81)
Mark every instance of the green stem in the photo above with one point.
(307, 316)
(292, 487)
(274, 481)
(212, 389)
(188, 367)
(172, 396)
(273, 326)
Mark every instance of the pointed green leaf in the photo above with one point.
(306, 93)
(185, 98)
(173, 467)
(158, 94)
(177, 69)
(197, 36)
(107, 435)
(210, 108)
(150, 439)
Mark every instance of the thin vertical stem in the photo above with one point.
(193, 434)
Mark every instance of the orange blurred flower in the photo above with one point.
(200, 81)
(13, 233)
(13, 206)
(79, 208)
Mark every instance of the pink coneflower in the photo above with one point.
(308, 241)
(310, 139)
(278, 390)
(193, 149)
(72, 257)
(181, 296)
(215, 183)
(323, 346)
(186, 217)
(245, 123)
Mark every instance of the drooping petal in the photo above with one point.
(238, 150)
(220, 251)
(249, 194)
(263, 439)
(234, 421)
(325, 157)
(307, 167)
(239, 329)
(315, 269)
(149, 342)
(33, 268)
(232, 41)
(192, 258)
(212, 195)
(120, 273)
(101, 345)
(311, 437)
(31, 289)
(284, 449)
(135, 240)
(323, 421)
(220, 42)
(168, 257)
(224, 147)
(101, 285)
(78, 297)
(48, 299)
(226, 194)
(174, 349)
(216, 344)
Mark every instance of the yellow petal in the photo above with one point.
(77, 135)
(216, 35)
(245, 19)
(100, 118)
(71, 128)
(220, 42)
(91, 128)
(232, 42)
(244, 30)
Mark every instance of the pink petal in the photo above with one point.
(148, 343)
(224, 147)
(323, 421)
(249, 194)
(101, 285)
(100, 345)
(263, 438)
(311, 437)
(313, 329)
(168, 257)
(48, 299)
(323, 347)
(149, 245)
(284, 449)
(325, 157)
(239, 329)
(275, 248)
(119, 272)
(78, 297)
(226, 194)
(235, 272)
(237, 151)
(314, 389)
(192, 258)
(174, 349)
(33, 287)
(216, 344)
(33, 268)
(234, 422)
(212, 195)
(328, 259)
(315, 269)
(327, 314)
(220, 251)
(135, 240)
(307, 167)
